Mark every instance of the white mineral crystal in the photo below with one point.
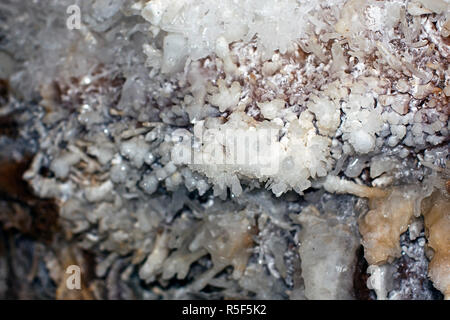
(328, 251)
(380, 280)
(233, 149)
(271, 109)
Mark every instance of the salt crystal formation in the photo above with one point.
(227, 149)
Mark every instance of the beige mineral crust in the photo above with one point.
(436, 211)
(390, 214)
(386, 220)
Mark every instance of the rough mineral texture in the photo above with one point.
(221, 149)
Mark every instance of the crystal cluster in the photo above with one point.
(231, 149)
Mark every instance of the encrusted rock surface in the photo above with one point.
(219, 149)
